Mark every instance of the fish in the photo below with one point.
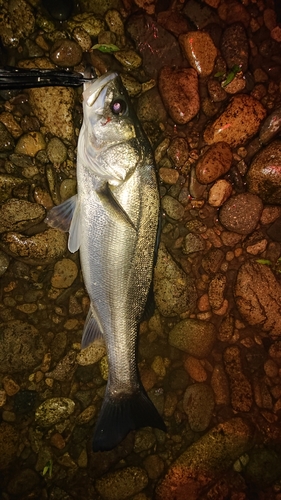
(114, 222)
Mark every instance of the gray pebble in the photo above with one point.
(54, 410)
(194, 337)
(172, 207)
(198, 404)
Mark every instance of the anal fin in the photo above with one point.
(92, 330)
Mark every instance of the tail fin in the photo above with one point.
(118, 417)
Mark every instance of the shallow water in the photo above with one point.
(210, 357)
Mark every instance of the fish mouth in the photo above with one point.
(93, 89)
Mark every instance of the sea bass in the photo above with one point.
(113, 221)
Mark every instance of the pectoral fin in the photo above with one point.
(113, 206)
(66, 218)
(60, 217)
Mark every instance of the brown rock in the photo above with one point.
(240, 388)
(202, 462)
(258, 297)
(66, 53)
(8, 444)
(200, 51)
(219, 193)
(238, 123)
(241, 213)
(179, 91)
(264, 177)
(233, 12)
(214, 163)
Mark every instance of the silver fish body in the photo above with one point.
(114, 225)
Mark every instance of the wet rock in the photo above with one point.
(174, 290)
(237, 85)
(42, 102)
(150, 107)
(21, 347)
(234, 12)
(173, 21)
(194, 337)
(193, 243)
(240, 388)
(82, 38)
(238, 123)
(17, 22)
(212, 261)
(7, 142)
(241, 213)
(199, 50)
(219, 193)
(263, 467)
(203, 462)
(198, 404)
(217, 290)
(172, 207)
(179, 91)
(9, 444)
(255, 243)
(263, 398)
(65, 369)
(129, 59)
(122, 483)
(29, 144)
(56, 151)
(10, 386)
(65, 273)
(271, 126)
(91, 354)
(216, 92)
(264, 173)
(88, 21)
(214, 163)
(234, 47)
(66, 53)
(200, 15)
(54, 410)
(219, 384)
(11, 124)
(168, 175)
(4, 263)
(114, 21)
(258, 297)
(195, 369)
(156, 51)
(154, 466)
(144, 440)
(178, 151)
(18, 215)
(8, 183)
(40, 249)
(68, 188)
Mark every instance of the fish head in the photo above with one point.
(109, 140)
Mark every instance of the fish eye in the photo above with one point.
(118, 107)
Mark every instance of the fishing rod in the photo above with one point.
(16, 78)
